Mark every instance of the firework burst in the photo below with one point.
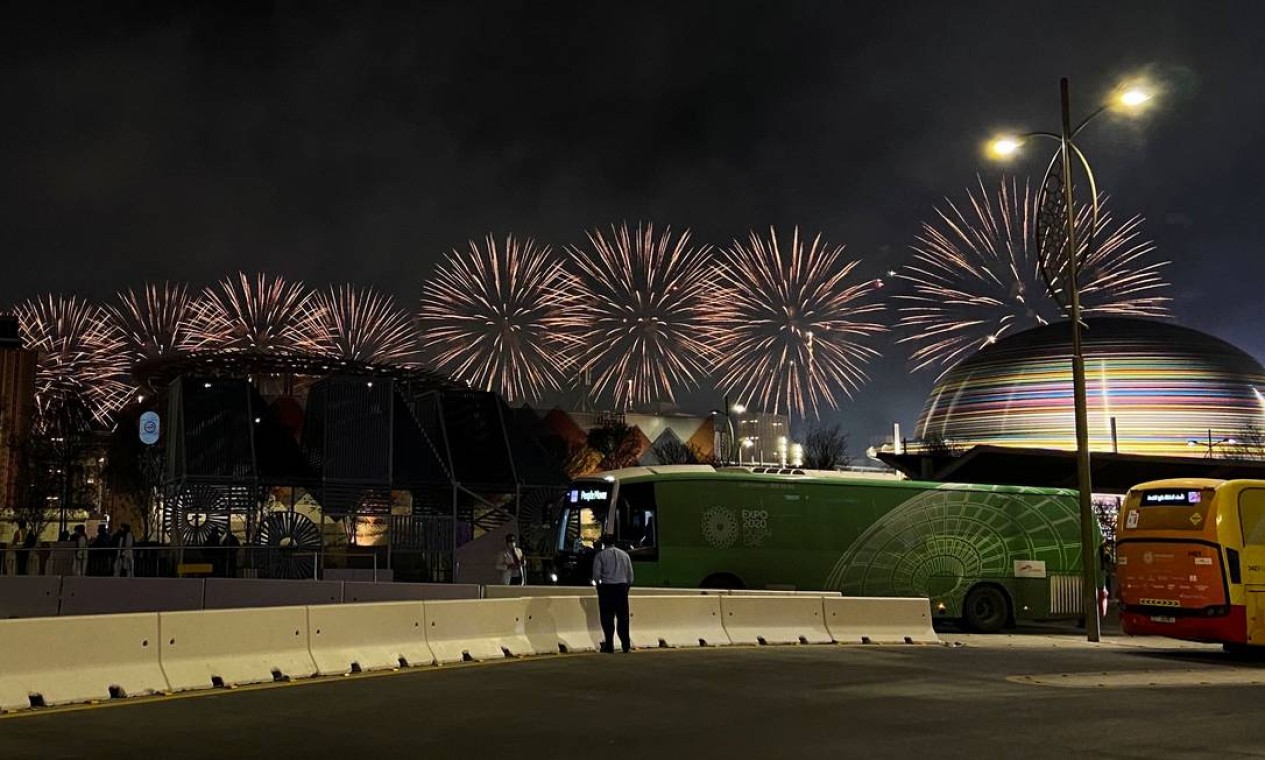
(500, 317)
(80, 376)
(358, 324)
(153, 323)
(791, 323)
(240, 314)
(644, 309)
(977, 275)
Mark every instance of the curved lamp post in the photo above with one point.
(731, 445)
(1060, 258)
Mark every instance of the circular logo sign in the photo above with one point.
(150, 428)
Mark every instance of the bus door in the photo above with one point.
(1250, 562)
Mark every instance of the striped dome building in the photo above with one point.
(1164, 385)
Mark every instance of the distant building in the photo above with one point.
(17, 405)
(759, 438)
(1163, 401)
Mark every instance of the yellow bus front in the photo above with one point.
(1180, 565)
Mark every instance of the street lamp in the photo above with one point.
(1211, 444)
(731, 445)
(1059, 256)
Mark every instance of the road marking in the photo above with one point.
(1147, 678)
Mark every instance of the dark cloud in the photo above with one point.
(337, 141)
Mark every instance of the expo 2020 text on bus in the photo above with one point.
(987, 555)
(1190, 560)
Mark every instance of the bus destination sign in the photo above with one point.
(1170, 497)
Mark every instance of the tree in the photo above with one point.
(826, 448)
(617, 443)
(673, 451)
(1250, 444)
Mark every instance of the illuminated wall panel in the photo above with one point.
(1163, 384)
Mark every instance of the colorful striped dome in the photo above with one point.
(1163, 384)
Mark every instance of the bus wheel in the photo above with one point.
(722, 581)
(986, 609)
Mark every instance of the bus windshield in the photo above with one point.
(584, 509)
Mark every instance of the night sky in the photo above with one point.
(335, 142)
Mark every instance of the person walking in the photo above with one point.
(613, 575)
(510, 563)
(80, 564)
(125, 561)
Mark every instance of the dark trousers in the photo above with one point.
(612, 606)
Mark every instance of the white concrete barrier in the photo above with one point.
(24, 596)
(96, 596)
(676, 621)
(880, 620)
(517, 592)
(668, 591)
(477, 629)
(761, 619)
(563, 624)
(48, 661)
(355, 592)
(775, 592)
(199, 650)
(379, 636)
(233, 593)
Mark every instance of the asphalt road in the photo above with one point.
(1029, 696)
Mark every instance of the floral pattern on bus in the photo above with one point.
(720, 527)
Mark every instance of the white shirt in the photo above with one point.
(612, 565)
(510, 565)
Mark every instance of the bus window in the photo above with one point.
(1252, 516)
(637, 515)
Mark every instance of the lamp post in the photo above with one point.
(731, 450)
(1211, 444)
(1059, 254)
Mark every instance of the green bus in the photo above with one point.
(988, 556)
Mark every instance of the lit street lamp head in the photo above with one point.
(1134, 97)
(1004, 147)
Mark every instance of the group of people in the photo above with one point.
(612, 575)
(103, 555)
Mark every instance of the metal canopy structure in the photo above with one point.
(365, 444)
(1112, 472)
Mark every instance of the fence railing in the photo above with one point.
(273, 562)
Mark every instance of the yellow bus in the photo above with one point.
(1190, 560)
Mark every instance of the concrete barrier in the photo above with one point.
(96, 596)
(775, 592)
(25, 596)
(232, 593)
(517, 592)
(354, 593)
(879, 620)
(764, 619)
(48, 661)
(380, 636)
(676, 621)
(359, 575)
(477, 629)
(563, 624)
(199, 650)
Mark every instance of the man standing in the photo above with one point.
(613, 575)
(510, 563)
